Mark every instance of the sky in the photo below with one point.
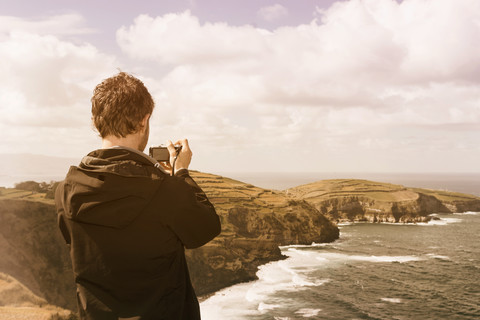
(278, 86)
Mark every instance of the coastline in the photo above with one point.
(257, 223)
(359, 266)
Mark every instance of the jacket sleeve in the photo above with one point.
(193, 219)
(61, 214)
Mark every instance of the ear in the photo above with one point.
(144, 122)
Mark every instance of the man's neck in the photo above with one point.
(112, 141)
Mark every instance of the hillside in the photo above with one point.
(363, 200)
(255, 222)
(33, 251)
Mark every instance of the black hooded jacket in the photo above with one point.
(127, 223)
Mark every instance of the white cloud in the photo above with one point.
(367, 85)
(272, 13)
(179, 38)
(45, 90)
(367, 74)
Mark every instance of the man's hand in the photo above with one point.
(183, 158)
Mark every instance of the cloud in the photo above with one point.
(365, 74)
(45, 87)
(66, 24)
(272, 13)
(180, 38)
(367, 85)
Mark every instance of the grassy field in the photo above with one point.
(12, 193)
(378, 191)
(221, 190)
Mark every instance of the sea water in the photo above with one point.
(374, 271)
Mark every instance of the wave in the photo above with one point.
(467, 213)
(340, 257)
(290, 275)
(392, 300)
(434, 222)
(308, 313)
(245, 300)
(264, 307)
(440, 222)
(400, 259)
(436, 256)
(230, 303)
(313, 245)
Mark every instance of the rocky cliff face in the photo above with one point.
(255, 222)
(362, 200)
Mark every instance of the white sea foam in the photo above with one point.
(229, 303)
(245, 300)
(345, 224)
(400, 259)
(441, 222)
(313, 245)
(308, 313)
(331, 257)
(295, 273)
(436, 256)
(467, 213)
(391, 300)
(264, 307)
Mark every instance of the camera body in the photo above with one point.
(161, 153)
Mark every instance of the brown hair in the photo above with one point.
(119, 104)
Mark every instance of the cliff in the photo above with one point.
(255, 222)
(33, 251)
(362, 200)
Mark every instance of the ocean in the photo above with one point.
(374, 271)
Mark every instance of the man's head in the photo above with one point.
(120, 105)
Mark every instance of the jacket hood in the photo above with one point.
(110, 187)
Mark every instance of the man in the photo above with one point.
(127, 220)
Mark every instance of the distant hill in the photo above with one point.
(363, 200)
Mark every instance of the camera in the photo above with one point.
(161, 153)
